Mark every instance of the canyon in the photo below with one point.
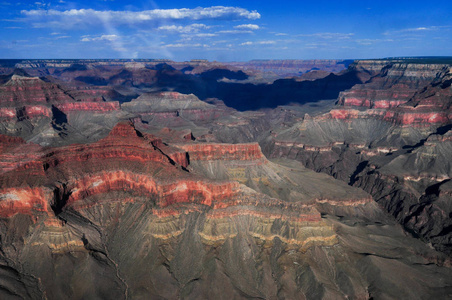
(139, 179)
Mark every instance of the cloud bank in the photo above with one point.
(183, 29)
(105, 37)
(87, 17)
(247, 27)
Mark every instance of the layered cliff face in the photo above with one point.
(209, 220)
(286, 68)
(403, 93)
(389, 137)
(117, 186)
(30, 90)
(173, 109)
(45, 112)
(195, 119)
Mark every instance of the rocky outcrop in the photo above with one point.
(96, 94)
(406, 94)
(17, 155)
(223, 151)
(27, 111)
(292, 67)
(88, 106)
(389, 137)
(401, 116)
(42, 111)
(30, 90)
(172, 108)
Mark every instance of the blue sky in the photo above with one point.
(224, 30)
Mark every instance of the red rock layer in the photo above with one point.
(401, 116)
(250, 151)
(27, 111)
(32, 111)
(122, 144)
(162, 192)
(404, 94)
(243, 204)
(89, 106)
(6, 112)
(17, 155)
(93, 94)
(375, 98)
(127, 167)
(24, 200)
(30, 90)
(31, 98)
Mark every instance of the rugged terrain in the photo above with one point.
(390, 137)
(199, 180)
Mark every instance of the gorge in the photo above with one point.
(139, 179)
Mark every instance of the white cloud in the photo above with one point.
(183, 29)
(42, 4)
(367, 42)
(411, 39)
(258, 43)
(266, 42)
(190, 36)
(247, 27)
(329, 35)
(87, 17)
(180, 45)
(202, 35)
(234, 31)
(105, 37)
(415, 30)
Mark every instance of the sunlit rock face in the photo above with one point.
(113, 188)
(406, 94)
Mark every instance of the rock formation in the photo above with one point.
(382, 134)
(113, 184)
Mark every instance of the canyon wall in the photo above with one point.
(139, 179)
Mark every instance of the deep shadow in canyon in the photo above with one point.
(248, 96)
(225, 84)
